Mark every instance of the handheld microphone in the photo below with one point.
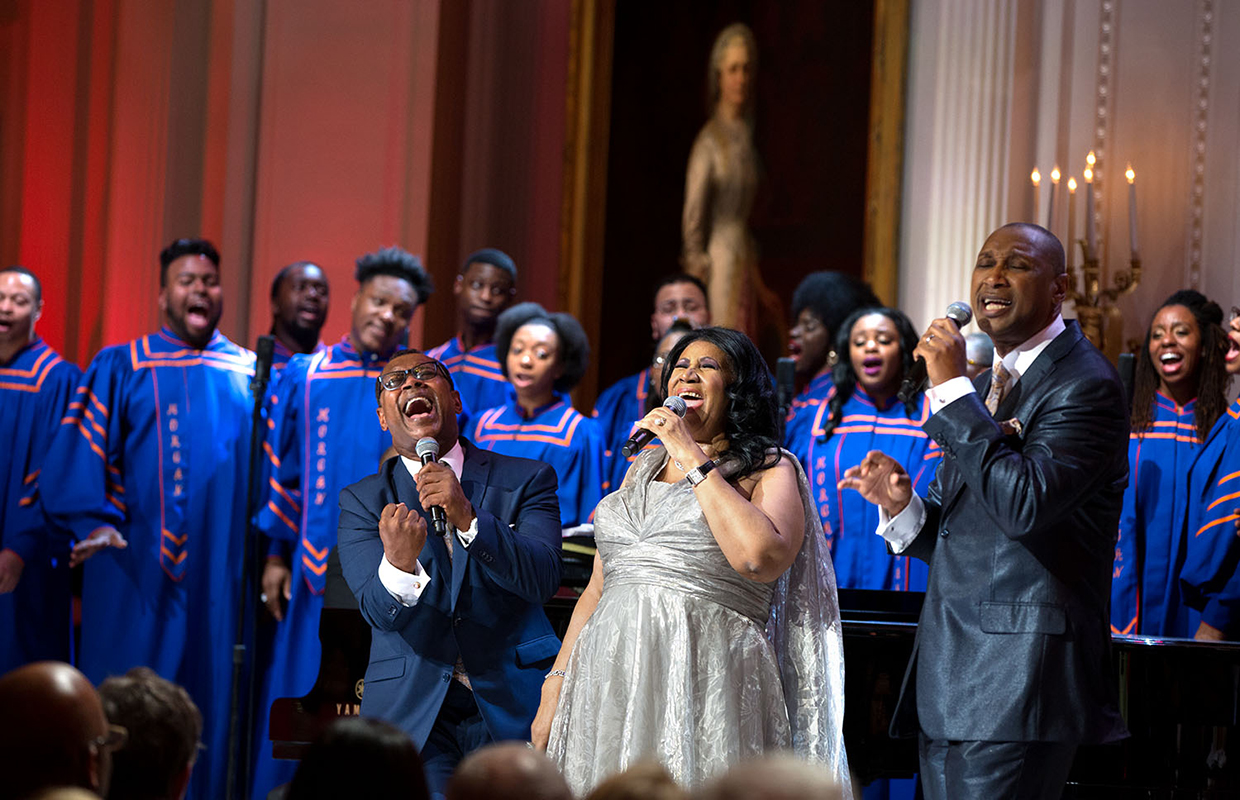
(642, 437)
(785, 383)
(428, 450)
(916, 380)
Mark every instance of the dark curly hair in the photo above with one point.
(574, 347)
(1212, 377)
(185, 247)
(399, 263)
(832, 296)
(845, 377)
(752, 425)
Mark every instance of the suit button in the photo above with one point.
(447, 676)
(456, 621)
(944, 533)
(392, 611)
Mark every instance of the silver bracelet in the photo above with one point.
(555, 672)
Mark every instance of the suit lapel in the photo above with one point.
(475, 471)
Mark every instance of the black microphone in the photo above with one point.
(428, 450)
(785, 382)
(916, 380)
(642, 437)
(265, 351)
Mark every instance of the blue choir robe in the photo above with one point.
(280, 355)
(1210, 580)
(156, 444)
(1145, 582)
(849, 521)
(617, 408)
(559, 435)
(799, 423)
(324, 436)
(476, 375)
(35, 624)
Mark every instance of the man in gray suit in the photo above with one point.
(1010, 668)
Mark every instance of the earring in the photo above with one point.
(832, 358)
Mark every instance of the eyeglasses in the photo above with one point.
(114, 739)
(424, 372)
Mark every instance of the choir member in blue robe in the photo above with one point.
(676, 296)
(1210, 580)
(484, 288)
(1178, 394)
(299, 302)
(820, 304)
(150, 469)
(35, 387)
(862, 413)
(325, 436)
(544, 356)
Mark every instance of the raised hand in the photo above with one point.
(403, 533)
(880, 479)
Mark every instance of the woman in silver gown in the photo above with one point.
(710, 629)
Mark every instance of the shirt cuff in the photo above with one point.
(405, 587)
(902, 529)
(948, 392)
(466, 537)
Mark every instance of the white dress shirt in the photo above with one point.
(407, 587)
(902, 529)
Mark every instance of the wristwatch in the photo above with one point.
(699, 473)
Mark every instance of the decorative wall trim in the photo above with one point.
(1103, 91)
(1197, 156)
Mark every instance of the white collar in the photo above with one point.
(454, 459)
(1019, 359)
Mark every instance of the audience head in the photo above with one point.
(164, 728)
(540, 352)
(190, 296)
(507, 771)
(67, 793)
(1184, 358)
(820, 304)
(416, 399)
(662, 348)
(359, 757)
(1019, 283)
(392, 283)
(1233, 343)
(485, 287)
(678, 296)
(54, 732)
(645, 780)
(731, 70)
(21, 305)
(773, 777)
(299, 297)
(727, 387)
(979, 353)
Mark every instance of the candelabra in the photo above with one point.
(1101, 320)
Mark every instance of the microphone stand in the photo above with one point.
(238, 735)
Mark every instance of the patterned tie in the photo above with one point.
(998, 383)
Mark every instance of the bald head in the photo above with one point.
(776, 777)
(507, 771)
(52, 718)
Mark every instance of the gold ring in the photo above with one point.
(659, 421)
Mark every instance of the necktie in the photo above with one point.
(998, 383)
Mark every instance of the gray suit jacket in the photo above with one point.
(1014, 641)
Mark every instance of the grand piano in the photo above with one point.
(1180, 698)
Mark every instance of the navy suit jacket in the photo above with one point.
(1014, 639)
(483, 604)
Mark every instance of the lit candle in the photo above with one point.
(1036, 177)
(1090, 244)
(1132, 211)
(1050, 212)
(1071, 220)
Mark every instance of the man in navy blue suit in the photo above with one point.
(460, 644)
